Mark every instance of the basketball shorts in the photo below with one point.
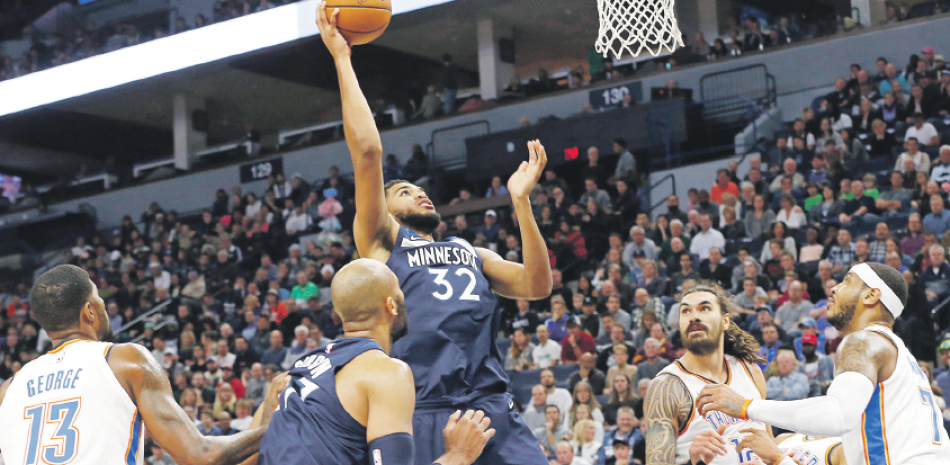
(513, 443)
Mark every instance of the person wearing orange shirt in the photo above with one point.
(723, 185)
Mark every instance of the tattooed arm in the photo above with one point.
(866, 353)
(667, 409)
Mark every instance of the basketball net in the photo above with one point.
(632, 26)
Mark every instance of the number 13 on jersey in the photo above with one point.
(63, 443)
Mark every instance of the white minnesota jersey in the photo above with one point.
(902, 424)
(808, 450)
(67, 407)
(738, 378)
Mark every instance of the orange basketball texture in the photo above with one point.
(361, 21)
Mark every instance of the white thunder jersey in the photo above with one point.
(738, 378)
(67, 407)
(902, 424)
(808, 450)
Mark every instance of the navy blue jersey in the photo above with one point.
(452, 320)
(310, 425)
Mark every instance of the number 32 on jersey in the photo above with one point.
(440, 274)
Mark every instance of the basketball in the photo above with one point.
(361, 21)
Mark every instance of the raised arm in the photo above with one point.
(531, 280)
(374, 229)
(666, 406)
(145, 381)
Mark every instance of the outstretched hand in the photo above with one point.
(522, 181)
(334, 41)
(465, 437)
(722, 398)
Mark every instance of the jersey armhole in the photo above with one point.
(749, 372)
(692, 402)
(830, 450)
(106, 353)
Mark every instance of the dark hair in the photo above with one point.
(572, 324)
(737, 342)
(58, 296)
(622, 143)
(447, 58)
(391, 184)
(892, 278)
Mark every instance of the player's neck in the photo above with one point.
(711, 365)
(380, 335)
(868, 317)
(58, 338)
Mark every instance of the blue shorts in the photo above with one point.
(513, 443)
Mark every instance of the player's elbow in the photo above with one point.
(540, 289)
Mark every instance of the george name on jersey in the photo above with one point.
(440, 256)
(62, 379)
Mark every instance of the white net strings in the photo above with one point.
(632, 26)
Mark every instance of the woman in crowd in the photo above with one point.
(864, 120)
(813, 250)
(661, 233)
(585, 442)
(224, 400)
(651, 281)
(759, 219)
(621, 395)
(791, 214)
(827, 133)
(584, 398)
(584, 286)
(779, 233)
(190, 397)
(731, 230)
(546, 223)
(621, 356)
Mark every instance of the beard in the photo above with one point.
(423, 223)
(105, 328)
(105, 334)
(843, 316)
(400, 327)
(705, 345)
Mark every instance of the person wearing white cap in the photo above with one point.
(880, 402)
(491, 227)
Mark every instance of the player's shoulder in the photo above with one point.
(867, 341)
(379, 368)
(129, 352)
(132, 361)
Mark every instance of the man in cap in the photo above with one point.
(818, 367)
(809, 326)
(491, 227)
(942, 375)
(863, 307)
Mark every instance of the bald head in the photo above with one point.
(361, 290)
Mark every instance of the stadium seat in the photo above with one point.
(503, 345)
(562, 373)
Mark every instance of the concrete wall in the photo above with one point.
(799, 75)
